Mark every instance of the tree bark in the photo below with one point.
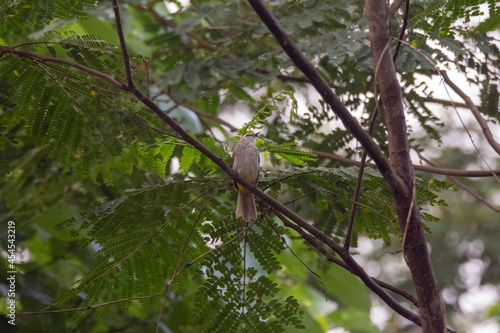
(431, 307)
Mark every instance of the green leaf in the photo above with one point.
(189, 156)
(191, 75)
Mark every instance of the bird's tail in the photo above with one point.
(245, 206)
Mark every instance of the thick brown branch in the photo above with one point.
(350, 264)
(357, 190)
(352, 125)
(431, 307)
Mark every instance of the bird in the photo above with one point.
(246, 161)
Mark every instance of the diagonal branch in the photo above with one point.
(403, 28)
(330, 257)
(126, 56)
(357, 190)
(41, 58)
(475, 111)
(352, 266)
(352, 125)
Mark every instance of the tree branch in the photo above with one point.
(475, 111)
(340, 263)
(431, 169)
(41, 58)
(352, 125)
(350, 264)
(357, 190)
(403, 27)
(431, 308)
(445, 102)
(126, 56)
(464, 187)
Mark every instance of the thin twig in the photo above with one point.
(408, 219)
(244, 296)
(463, 186)
(294, 254)
(398, 291)
(181, 256)
(423, 168)
(477, 114)
(37, 57)
(485, 129)
(357, 190)
(144, 124)
(403, 30)
(123, 45)
(446, 102)
(148, 88)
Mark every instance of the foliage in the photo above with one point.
(152, 212)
